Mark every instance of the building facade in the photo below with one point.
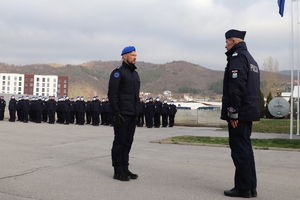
(12, 83)
(36, 85)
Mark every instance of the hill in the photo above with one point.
(91, 78)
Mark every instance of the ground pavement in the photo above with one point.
(71, 162)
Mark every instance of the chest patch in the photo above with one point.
(234, 73)
(116, 74)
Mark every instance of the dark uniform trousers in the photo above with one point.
(242, 155)
(122, 143)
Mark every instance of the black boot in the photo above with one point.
(237, 193)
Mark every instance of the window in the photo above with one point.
(48, 90)
(43, 89)
(37, 79)
(31, 84)
(15, 89)
(8, 82)
(20, 83)
(54, 80)
(43, 84)
(37, 94)
(58, 90)
(65, 81)
(65, 85)
(8, 78)
(7, 88)
(20, 78)
(15, 78)
(48, 84)
(26, 84)
(37, 90)
(3, 78)
(31, 79)
(54, 85)
(31, 90)
(65, 91)
(15, 83)
(37, 85)
(48, 79)
(43, 94)
(58, 86)
(3, 82)
(3, 88)
(43, 80)
(26, 79)
(19, 89)
(58, 80)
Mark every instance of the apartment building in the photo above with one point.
(12, 83)
(36, 85)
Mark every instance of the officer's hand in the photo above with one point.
(234, 123)
(118, 120)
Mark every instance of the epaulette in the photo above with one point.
(119, 67)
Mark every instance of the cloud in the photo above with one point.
(76, 31)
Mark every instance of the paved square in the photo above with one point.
(56, 162)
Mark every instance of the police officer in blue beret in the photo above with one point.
(240, 107)
(123, 95)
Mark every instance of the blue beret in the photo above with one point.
(127, 49)
(235, 34)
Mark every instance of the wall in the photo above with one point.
(199, 118)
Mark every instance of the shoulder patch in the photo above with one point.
(116, 74)
(254, 68)
(235, 54)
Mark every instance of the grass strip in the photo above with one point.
(273, 143)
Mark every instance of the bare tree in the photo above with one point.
(270, 66)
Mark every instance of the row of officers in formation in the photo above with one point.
(150, 113)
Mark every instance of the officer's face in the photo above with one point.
(130, 58)
(229, 44)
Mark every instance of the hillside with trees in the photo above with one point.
(179, 77)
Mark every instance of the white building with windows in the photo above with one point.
(45, 85)
(12, 83)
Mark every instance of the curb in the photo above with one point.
(224, 146)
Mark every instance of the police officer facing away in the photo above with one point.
(123, 94)
(240, 107)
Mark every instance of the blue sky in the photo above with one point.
(77, 31)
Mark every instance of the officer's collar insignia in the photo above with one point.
(116, 74)
(235, 54)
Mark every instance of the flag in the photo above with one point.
(281, 7)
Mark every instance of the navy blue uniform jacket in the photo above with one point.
(241, 86)
(124, 89)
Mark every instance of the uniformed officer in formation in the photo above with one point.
(172, 113)
(157, 112)
(165, 113)
(2, 107)
(240, 107)
(150, 110)
(141, 109)
(88, 110)
(123, 94)
(51, 107)
(95, 107)
(12, 107)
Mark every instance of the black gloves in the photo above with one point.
(118, 120)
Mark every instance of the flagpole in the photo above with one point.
(298, 68)
(292, 73)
